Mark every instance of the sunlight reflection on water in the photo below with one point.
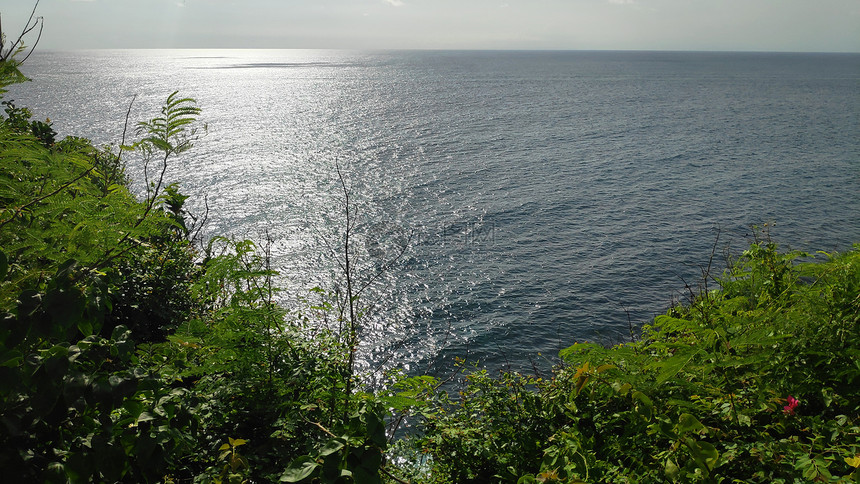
(543, 195)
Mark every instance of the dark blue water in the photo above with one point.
(539, 198)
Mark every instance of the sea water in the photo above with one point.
(503, 204)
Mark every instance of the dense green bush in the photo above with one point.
(754, 382)
(75, 402)
(129, 354)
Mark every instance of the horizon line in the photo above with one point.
(420, 49)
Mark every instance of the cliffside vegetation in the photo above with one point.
(129, 354)
(132, 352)
(757, 380)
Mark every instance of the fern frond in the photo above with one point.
(167, 132)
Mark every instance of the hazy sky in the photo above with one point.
(766, 25)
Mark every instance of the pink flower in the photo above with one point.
(792, 404)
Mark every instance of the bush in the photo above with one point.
(754, 382)
(128, 354)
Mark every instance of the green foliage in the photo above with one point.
(86, 410)
(128, 354)
(76, 402)
(235, 465)
(179, 346)
(10, 72)
(491, 432)
(354, 454)
(11, 51)
(755, 382)
(18, 119)
(169, 133)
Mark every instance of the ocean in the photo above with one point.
(504, 204)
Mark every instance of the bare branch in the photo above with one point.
(125, 126)
(18, 43)
(353, 322)
(392, 476)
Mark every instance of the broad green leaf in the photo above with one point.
(671, 469)
(85, 326)
(643, 398)
(645, 407)
(582, 377)
(704, 453)
(623, 389)
(689, 423)
(145, 417)
(299, 469)
(237, 442)
(667, 430)
(365, 476)
(332, 446)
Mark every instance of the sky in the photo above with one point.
(721, 25)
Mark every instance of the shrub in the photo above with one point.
(754, 382)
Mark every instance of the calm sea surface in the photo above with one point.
(537, 198)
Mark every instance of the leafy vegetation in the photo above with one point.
(132, 352)
(128, 353)
(754, 382)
